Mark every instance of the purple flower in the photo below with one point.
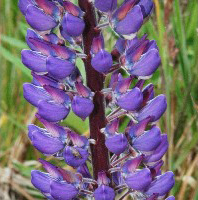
(122, 156)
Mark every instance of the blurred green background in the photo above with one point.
(174, 24)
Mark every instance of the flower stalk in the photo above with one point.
(95, 81)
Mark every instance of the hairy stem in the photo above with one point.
(95, 81)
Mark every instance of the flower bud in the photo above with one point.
(33, 94)
(139, 180)
(129, 17)
(154, 108)
(63, 190)
(34, 60)
(102, 61)
(117, 143)
(23, 5)
(59, 68)
(75, 156)
(131, 100)
(45, 22)
(43, 141)
(148, 141)
(72, 25)
(51, 111)
(82, 107)
(41, 181)
(161, 185)
(158, 153)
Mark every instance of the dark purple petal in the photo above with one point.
(117, 178)
(103, 179)
(112, 127)
(51, 111)
(41, 181)
(23, 4)
(34, 60)
(159, 152)
(82, 90)
(105, 6)
(146, 7)
(37, 44)
(72, 9)
(148, 141)
(131, 23)
(156, 168)
(117, 144)
(123, 84)
(54, 129)
(48, 7)
(63, 190)
(170, 198)
(148, 93)
(82, 107)
(155, 109)
(102, 61)
(104, 192)
(132, 164)
(97, 44)
(64, 52)
(83, 169)
(162, 184)
(31, 34)
(78, 140)
(38, 20)
(138, 129)
(59, 68)
(131, 101)
(75, 156)
(53, 38)
(43, 142)
(42, 80)
(72, 25)
(51, 169)
(139, 180)
(58, 95)
(33, 94)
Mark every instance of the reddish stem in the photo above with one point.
(95, 81)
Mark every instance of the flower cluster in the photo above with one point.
(136, 153)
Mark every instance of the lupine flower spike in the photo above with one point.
(108, 163)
